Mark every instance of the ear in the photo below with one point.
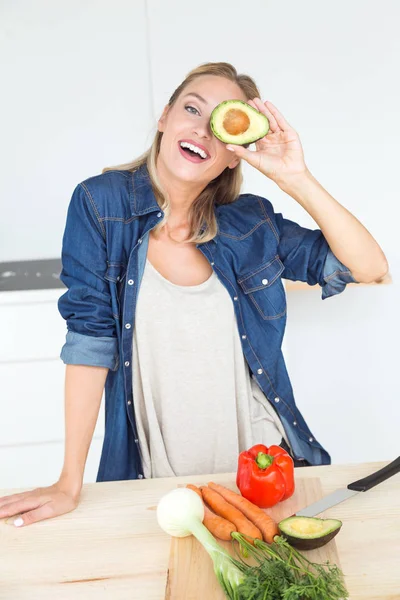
(234, 163)
(162, 120)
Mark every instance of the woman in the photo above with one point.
(175, 302)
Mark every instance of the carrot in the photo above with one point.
(254, 513)
(223, 508)
(216, 525)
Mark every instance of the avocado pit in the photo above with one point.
(236, 122)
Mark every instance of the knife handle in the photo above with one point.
(365, 484)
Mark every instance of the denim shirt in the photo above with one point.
(104, 252)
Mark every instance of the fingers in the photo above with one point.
(277, 121)
(262, 108)
(19, 506)
(279, 118)
(46, 511)
(7, 499)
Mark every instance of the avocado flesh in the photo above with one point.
(308, 533)
(235, 122)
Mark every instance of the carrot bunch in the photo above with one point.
(225, 511)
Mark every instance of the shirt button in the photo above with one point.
(212, 264)
(118, 278)
(129, 402)
(244, 337)
(235, 298)
(295, 423)
(140, 476)
(140, 240)
(159, 215)
(264, 281)
(128, 326)
(311, 439)
(136, 441)
(259, 371)
(127, 363)
(276, 400)
(130, 282)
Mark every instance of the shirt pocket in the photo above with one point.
(116, 273)
(263, 286)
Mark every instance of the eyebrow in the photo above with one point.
(197, 96)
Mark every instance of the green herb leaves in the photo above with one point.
(283, 573)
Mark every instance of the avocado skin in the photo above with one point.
(239, 140)
(308, 543)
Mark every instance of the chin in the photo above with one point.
(185, 173)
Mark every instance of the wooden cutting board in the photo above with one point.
(190, 570)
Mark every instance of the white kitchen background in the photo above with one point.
(83, 84)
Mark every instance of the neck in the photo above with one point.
(181, 194)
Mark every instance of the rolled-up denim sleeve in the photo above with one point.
(306, 255)
(87, 350)
(86, 305)
(336, 276)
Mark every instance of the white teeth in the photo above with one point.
(194, 149)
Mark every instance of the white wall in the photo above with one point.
(85, 81)
(76, 98)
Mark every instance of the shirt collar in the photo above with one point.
(142, 198)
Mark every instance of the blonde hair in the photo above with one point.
(224, 189)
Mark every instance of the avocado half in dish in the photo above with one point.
(308, 533)
(235, 122)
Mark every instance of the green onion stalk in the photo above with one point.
(180, 513)
(229, 575)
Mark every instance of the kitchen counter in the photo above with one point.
(112, 547)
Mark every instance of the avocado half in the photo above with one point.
(235, 122)
(307, 533)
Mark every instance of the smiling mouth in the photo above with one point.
(191, 155)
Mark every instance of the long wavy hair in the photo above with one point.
(224, 189)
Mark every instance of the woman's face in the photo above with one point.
(188, 120)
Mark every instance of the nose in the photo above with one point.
(203, 129)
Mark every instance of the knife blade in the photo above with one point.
(361, 485)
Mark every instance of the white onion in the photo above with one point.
(177, 510)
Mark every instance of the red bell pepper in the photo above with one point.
(265, 475)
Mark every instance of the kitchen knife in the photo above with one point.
(362, 485)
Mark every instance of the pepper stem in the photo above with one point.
(264, 460)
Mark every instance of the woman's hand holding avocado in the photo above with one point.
(279, 154)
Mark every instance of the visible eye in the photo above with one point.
(192, 107)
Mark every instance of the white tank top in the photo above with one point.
(196, 405)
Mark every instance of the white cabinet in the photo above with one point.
(32, 333)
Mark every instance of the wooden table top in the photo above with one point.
(112, 547)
